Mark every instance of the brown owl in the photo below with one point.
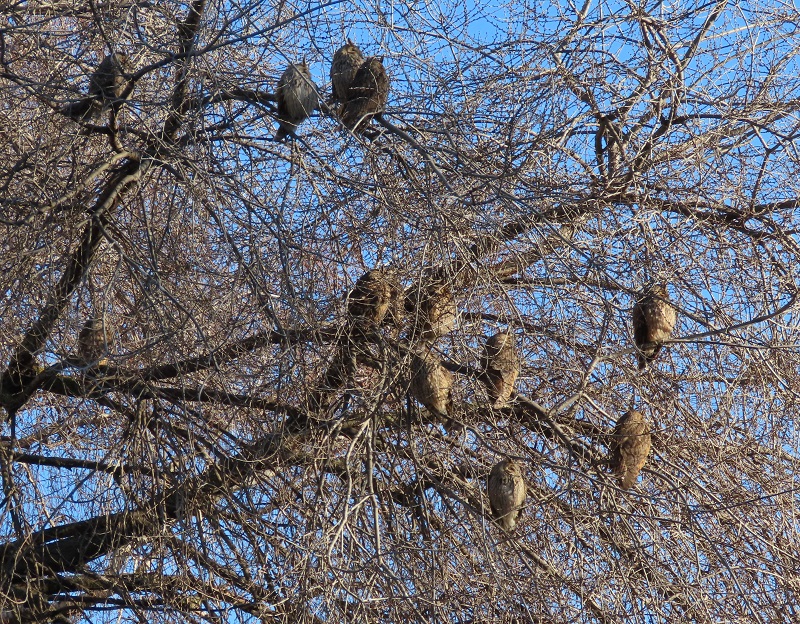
(108, 81)
(367, 94)
(653, 321)
(297, 98)
(105, 85)
(432, 310)
(630, 445)
(506, 487)
(345, 64)
(431, 384)
(376, 298)
(94, 341)
(335, 377)
(500, 366)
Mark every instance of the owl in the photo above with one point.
(345, 64)
(630, 445)
(500, 366)
(335, 377)
(297, 97)
(106, 84)
(431, 384)
(94, 341)
(506, 488)
(432, 310)
(653, 321)
(367, 94)
(376, 298)
(108, 81)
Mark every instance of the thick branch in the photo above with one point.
(187, 31)
(19, 369)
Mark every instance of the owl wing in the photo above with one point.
(640, 332)
(367, 94)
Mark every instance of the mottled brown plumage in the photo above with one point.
(431, 384)
(108, 81)
(367, 94)
(432, 310)
(346, 63)
(94, 341)
(106, 84)
(334, 378)
(506, 488)
(630, 445)
(297, 97)
(653, 321)
(376, 298)
(500, 365)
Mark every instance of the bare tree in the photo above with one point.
(247, 452)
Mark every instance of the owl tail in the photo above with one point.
(285, 130)
(628, 479)
(82, 109)
(647, 356)
(353, 117)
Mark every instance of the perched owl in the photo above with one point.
(376, 298)
(506, 487)
(367, 94)
(431, 384)
(297, 98)
(105, 85)
(630, 445)
(432, 310)
(500, 366)
(345, 64)
(653, 321)
(94, 341)
(335, 377)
